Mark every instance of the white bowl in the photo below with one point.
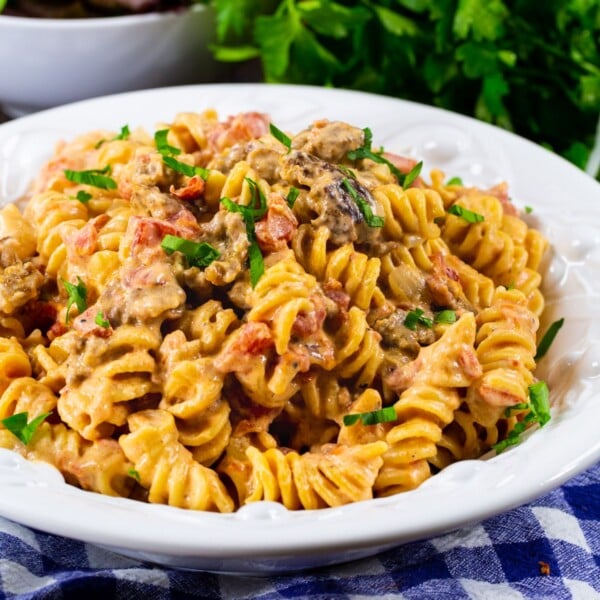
(264, 537)
(54, 61)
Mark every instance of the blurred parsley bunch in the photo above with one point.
(528, 66)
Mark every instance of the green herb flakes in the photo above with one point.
(373, 417)
(77, 294)
(280, 136)
(417, 317)
(198, 254)
(94, 177)
(17, 424)
(468, 215)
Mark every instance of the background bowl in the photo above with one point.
(55, 61)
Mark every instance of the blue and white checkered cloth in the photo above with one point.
(549, 548)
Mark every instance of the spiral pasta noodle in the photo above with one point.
(219, 313)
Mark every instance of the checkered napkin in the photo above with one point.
(549, 548)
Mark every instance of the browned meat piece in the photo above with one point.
(329, 199)
(19, 283)
(226, 232)
(394, 334)
(142, 293)
(329, 140)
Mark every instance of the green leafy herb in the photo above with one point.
(255, 211)
(412, 175)
(168, 153)
(94, 177)
(280, 135)
(539, 397)
(185, 169)
(258, 198)
(160, 139)
(417, 317)
(539, 412)
(365, 208)
(516, 65)
(257, 264)
(77, 294)
(548, 338)
(101, 320)
(17, 424)
(373, 417)
(445, 316)
(454, 181)
(83, 197)
(198, 254)
(468, 215)
(134, 475)
(515, 407)
(292, 196)
(528, 210)
(365, 151)
(123, 135)
(346, 171)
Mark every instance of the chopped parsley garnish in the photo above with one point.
(373, 417)
(365, 151)
(417, 317)
(17, 424)
(520, 406)
(77, 294)
(168, 153)
(198, 254)
(160, 139)
(346, 171)
(123, 135)
(101, 320)
(257, 264)
(279, 135)
(83, 197)
(468, 215)
(412, 174)
(455, 181)
(185, 169)
(292, 196)
(539, 412)
(95, 177)
(365, 208)
(539, 396)
(251, 214)
(528, 210)
(445, 316)
(134, 474)
(548, 338)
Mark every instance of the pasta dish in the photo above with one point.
(221, 312)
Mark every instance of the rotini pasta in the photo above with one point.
(219, 314)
